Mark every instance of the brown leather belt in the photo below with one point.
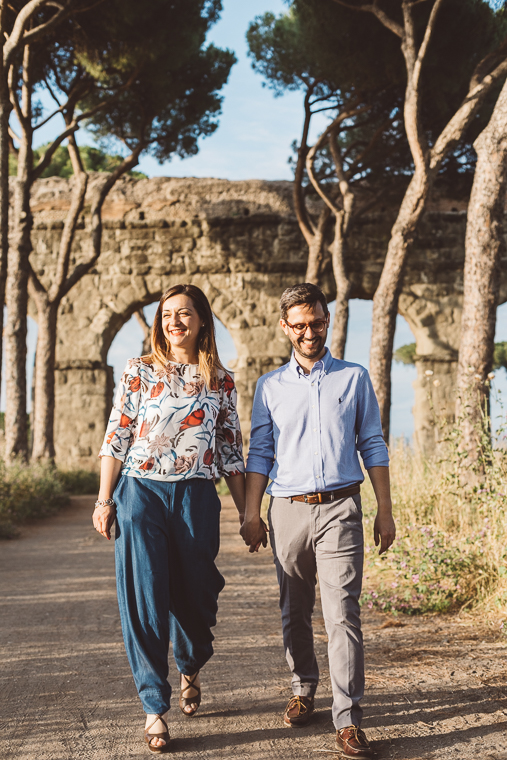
(325, 496)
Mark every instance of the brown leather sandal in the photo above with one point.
(164, 736)
(186, 701)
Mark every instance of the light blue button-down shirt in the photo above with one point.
(307, 430)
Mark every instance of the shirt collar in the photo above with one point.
(323, 363)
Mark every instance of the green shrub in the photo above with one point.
(429, 571)
(78, 482)
(38, 490)
(28, 491)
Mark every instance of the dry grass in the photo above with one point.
(451, 549)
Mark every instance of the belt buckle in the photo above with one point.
(312, 498)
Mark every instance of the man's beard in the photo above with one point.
(312, 350)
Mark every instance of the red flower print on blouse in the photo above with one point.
(193, 419)
(148, 465)
(157, 389)
(208, 457)
(145, 429)
(229, 435)
(228, 384)
(135, 384)
(147, 426)
(125, 421)
(111, 436)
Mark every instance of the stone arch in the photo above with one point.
(246, 304)
(168, 230)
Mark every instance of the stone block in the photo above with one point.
(240, 242)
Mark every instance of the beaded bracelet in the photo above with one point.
(104, 503)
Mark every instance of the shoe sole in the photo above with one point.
(341, 753)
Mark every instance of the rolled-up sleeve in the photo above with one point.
(229, 441)
(369, 438)
(121, 426)
(261, 454)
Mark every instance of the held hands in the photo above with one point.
(103, 518)
(384, 529)
(254, 533)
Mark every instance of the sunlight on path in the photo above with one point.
(435, 686)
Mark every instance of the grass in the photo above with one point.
(37, 490)
(451, 547)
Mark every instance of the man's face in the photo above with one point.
(309, 342)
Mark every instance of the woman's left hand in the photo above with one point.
(103, 518)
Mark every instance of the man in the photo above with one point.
(310, 419)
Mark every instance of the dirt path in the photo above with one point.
(436, 688)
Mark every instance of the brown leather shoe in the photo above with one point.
(298, 711)
(352, 742)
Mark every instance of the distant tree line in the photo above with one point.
(407, 354)
(93, 160)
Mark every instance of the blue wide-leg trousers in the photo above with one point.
(167, 539)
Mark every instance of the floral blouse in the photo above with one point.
(167, 425)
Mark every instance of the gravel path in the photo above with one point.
(436, 687)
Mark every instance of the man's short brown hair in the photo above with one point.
(305, 293)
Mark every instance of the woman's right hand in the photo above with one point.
(103, 518)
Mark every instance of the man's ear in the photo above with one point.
(284, 327)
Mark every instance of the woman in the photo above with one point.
(174, 428)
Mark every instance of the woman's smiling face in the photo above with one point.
(181, 323)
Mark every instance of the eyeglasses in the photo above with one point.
(318, 326)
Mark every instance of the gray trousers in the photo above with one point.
(323, 539)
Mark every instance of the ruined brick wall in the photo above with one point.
(239, 241)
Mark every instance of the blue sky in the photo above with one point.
(253, 141)
(256, 129)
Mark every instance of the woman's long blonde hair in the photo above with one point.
(209, 361)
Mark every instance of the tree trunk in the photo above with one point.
(145, 327)
(343, 288)
(5, 109)
(48, 303)
(18, 268)
(316, 249)
(484, 248)
(44, 406)
(385, 301)
(16, 431)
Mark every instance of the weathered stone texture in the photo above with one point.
(239, 242)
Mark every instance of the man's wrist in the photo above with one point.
(385, 507)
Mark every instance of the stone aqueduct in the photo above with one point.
(240, 242)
